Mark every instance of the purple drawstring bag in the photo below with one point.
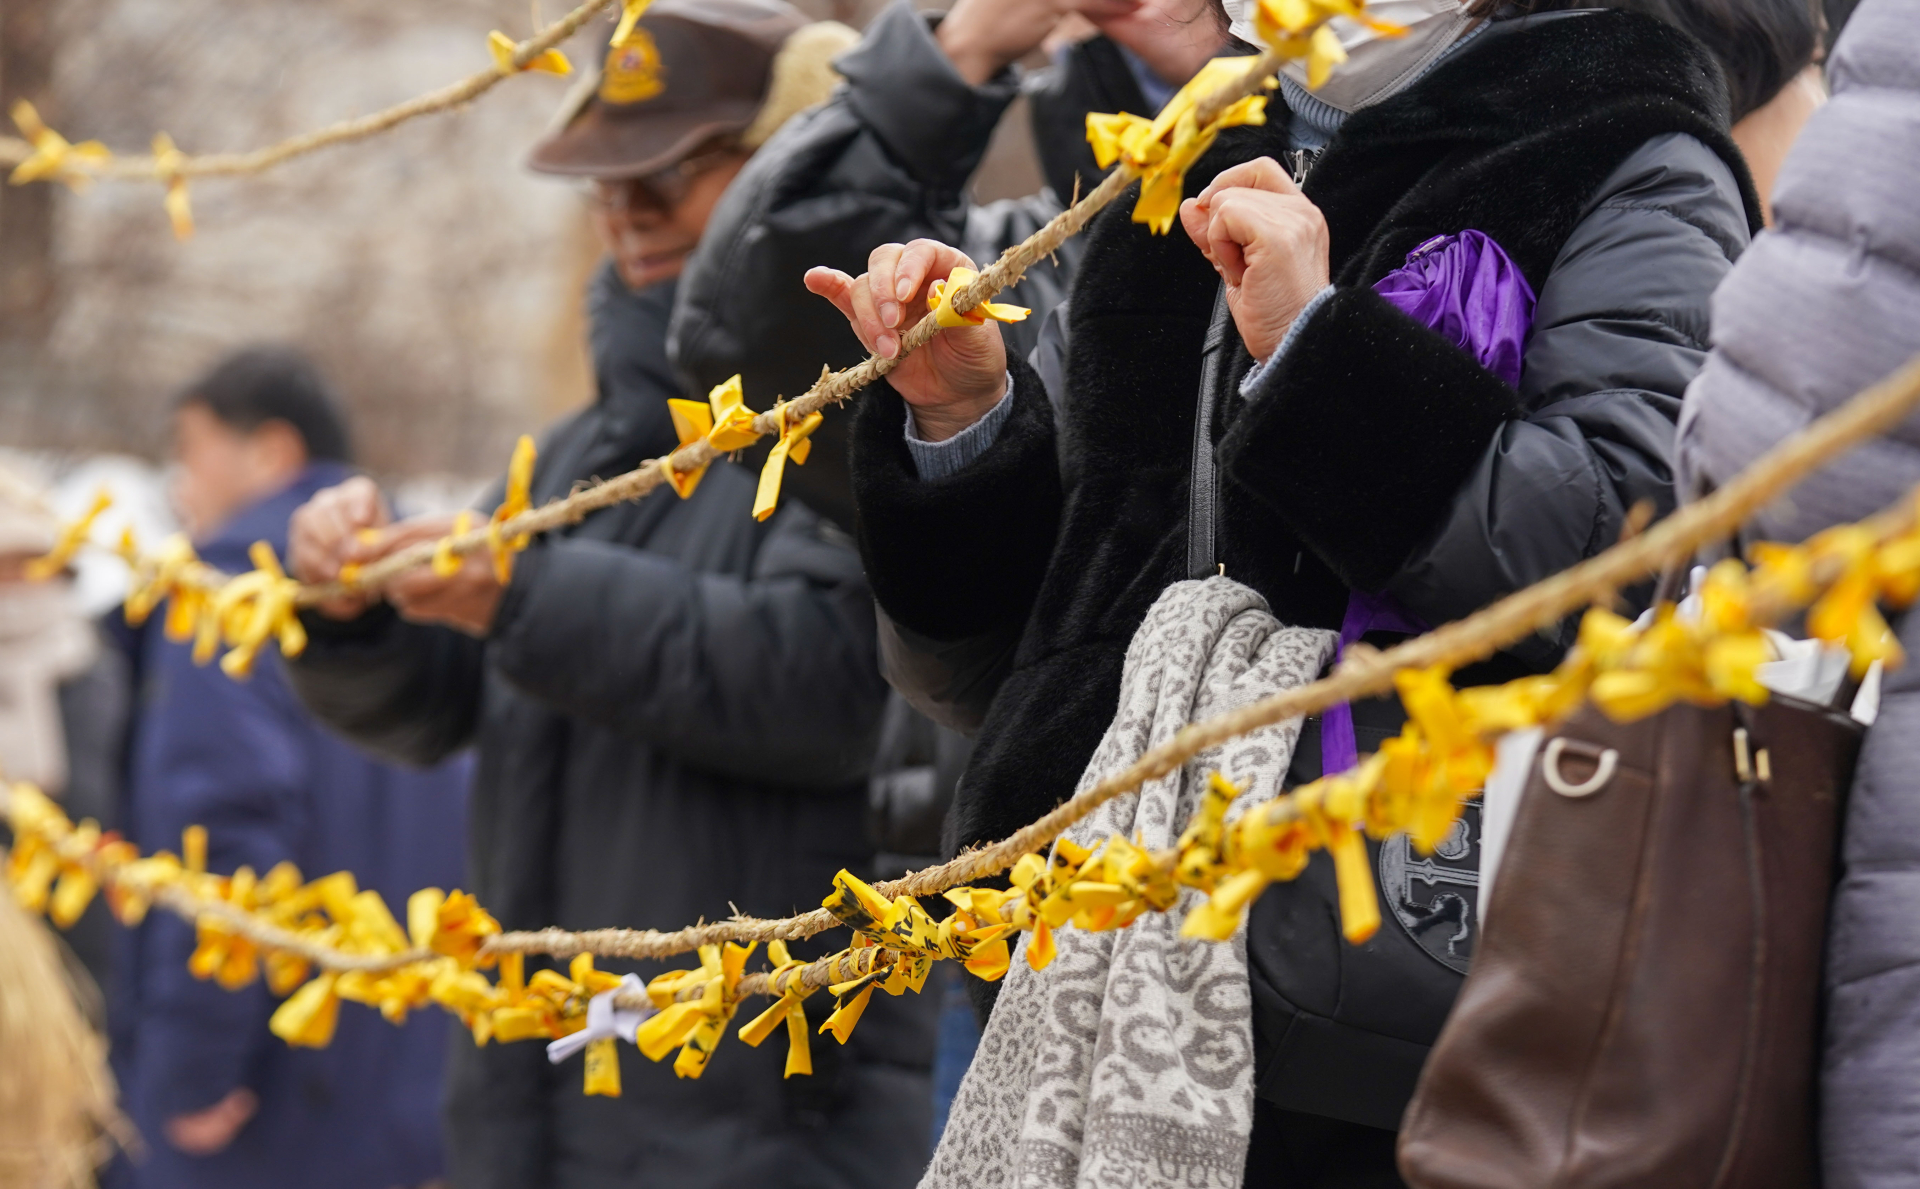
(1468, 290)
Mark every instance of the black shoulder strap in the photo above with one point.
(1203, 501)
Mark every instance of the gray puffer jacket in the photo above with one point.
(1820, 307)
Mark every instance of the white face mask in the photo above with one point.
(1376, 66)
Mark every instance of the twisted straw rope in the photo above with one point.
(1364, 673)
(142, 168)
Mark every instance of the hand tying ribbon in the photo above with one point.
(502, 48)
(793, 444)
(606, 1025)
(943, 292)
(53, 157)
(167, 163)
(1164, 148)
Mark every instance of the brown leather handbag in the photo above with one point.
(1643, 1007)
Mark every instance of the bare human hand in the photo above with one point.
(1267, 241)
(467, 600)
(328, 531)
(206, 1132)
(983, 37)
(952, 381)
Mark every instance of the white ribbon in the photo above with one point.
(604, 1020)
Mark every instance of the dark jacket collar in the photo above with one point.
(1529, 119)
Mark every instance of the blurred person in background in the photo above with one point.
(220, 1101)
(675, 706)
(63, 697)
(1769, 51)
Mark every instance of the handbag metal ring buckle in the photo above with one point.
(1608, 760)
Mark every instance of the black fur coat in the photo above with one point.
(1375, 454)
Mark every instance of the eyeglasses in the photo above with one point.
(657, 193)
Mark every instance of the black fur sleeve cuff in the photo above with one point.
(1361, 435)
(964, 554)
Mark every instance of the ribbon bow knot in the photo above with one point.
(694, 1025)
(502, 48)
(607, 1023)
(1162, 149)
(69, 540)
(793, 444)
(788, 1008)
(943, 292)
(53, 156)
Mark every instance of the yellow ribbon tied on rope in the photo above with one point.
(156, 579)
(69, 540)
(547, 61)
(519, 498)
(793, 444)
(1299, 29)
(943, 292)
(630, 13)
(788, 1008)
(694, 1025)
(723, 422)
(1165, 147)
(250, 610)
(167, 163)
(53, 157)
(446, 563)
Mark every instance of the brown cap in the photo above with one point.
(690, 71)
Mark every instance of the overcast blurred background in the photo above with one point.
(437, 282)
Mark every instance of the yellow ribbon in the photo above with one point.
(793, 444)
(502, 48)
(250, 610)
(694, 1026)
(1298, 29)
(943, 291)
(630, 13)
(519, 498)
(446, 563)
(69, 540)
(168, 161)
(1164, 148)
(788, 1008)
(53, 157)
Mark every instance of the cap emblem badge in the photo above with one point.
(633, 73)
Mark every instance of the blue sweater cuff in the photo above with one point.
(1252, 380)
(937, 460)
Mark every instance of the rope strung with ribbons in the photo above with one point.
(1416, 784)
(46, 156)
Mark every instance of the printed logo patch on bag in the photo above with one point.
(1436, 897)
